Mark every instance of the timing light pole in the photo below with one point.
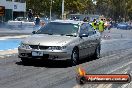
(62, 9)
(50, 8)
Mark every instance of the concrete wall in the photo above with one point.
(7, 4)
(19, 7)
(12, 7)
(15, 6)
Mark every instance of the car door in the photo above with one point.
(84, 41)
(93, 39)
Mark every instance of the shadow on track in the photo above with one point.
(52, 63)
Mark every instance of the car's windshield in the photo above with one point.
(59, 28)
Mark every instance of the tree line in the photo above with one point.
(115, 9)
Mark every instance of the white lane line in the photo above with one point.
(130, 62)
(124, 86)
(110, 40)
(105, 86)
(77, 86)
(109, 85)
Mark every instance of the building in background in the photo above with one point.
(12, 9)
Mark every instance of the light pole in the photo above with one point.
(125, 11)
(50, 8)
(62, 9)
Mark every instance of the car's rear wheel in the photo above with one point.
(75, 56)
(97, 52)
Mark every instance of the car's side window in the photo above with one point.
(84, 29)
(91, 31)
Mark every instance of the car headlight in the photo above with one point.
(57, 47)
(25, 46)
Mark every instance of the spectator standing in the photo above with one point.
(94, 24)
(37, 21)
(101, 26)
(108, 24)
(30, 16)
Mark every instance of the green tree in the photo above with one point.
(42, 7)
(38, 6)
(129, 9)
(117, 9)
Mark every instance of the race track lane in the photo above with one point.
(14, 74)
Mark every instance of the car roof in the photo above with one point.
(68, 21)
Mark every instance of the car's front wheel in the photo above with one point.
(75, 56)
(25, 60)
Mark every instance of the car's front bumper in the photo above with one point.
(48, 54)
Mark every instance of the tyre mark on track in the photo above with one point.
(62, 80)
(127, 56)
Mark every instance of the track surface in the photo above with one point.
(116, 57)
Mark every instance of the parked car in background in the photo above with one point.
(124, 25)
(20, 23)
(61, 40)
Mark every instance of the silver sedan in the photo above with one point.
(61, 40)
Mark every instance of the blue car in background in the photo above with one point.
(124, 25)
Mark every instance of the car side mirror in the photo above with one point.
(95, 32)
(34, 32)
(83, 35)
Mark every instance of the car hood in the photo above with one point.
(48, 40)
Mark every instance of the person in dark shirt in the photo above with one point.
(30, 16)
(37, 21)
